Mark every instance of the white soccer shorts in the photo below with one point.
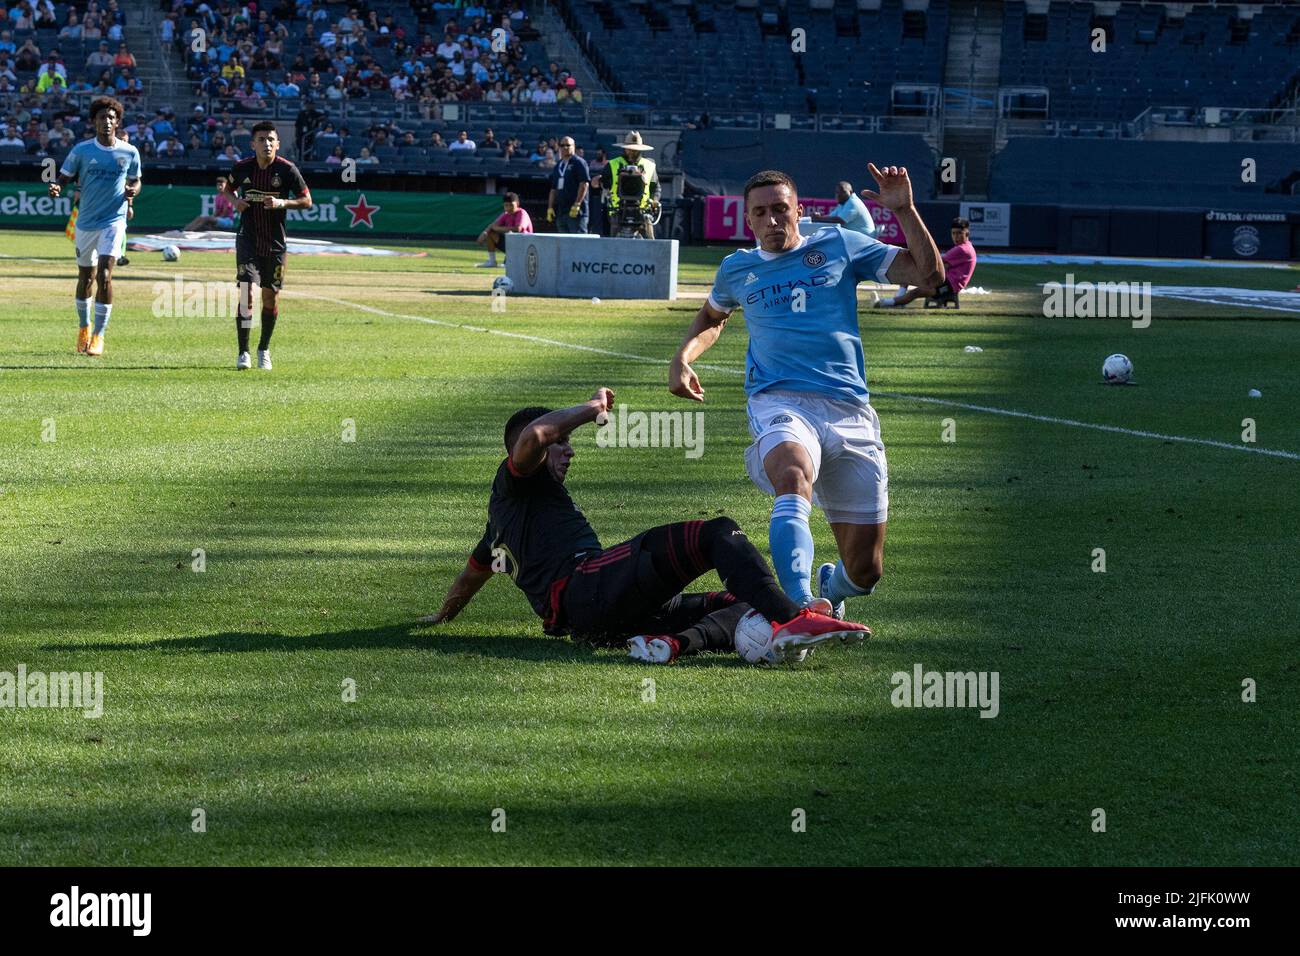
(850, 475)
(93, 243)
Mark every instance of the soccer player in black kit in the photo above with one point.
(630, 593)
(264, 187)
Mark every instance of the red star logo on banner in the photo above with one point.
(362, 212)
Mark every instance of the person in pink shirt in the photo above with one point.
(223, 212)
(514, 219)
(958, 266)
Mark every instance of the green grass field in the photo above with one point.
(224, 689)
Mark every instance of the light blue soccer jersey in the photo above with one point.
(102, 172)
(818, 349)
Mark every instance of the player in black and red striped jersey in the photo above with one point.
(264, 187)
(631, 593)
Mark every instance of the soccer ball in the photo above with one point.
(171, 254)
(1117, 369)
(754, 641)
(504, 283)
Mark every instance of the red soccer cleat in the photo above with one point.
(808, 629)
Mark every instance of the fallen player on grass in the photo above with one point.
(631, 593)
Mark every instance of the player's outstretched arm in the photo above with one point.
(919, 264)
(462, 590)
(530, 448)
(704, 331)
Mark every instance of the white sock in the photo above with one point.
(889, 301)
(83, 312)
(103, 310)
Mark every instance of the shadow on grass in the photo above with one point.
(402, 636)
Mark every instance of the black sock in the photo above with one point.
(242, 327)
(713, 632)
(268, 327)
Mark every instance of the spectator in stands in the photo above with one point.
(288, 88)
(489, 142)
(448, 48)
(336, 91)
(436, 141)
(124, 57)
(28, 57)
(101, 59)
(543, 95)
(223, 212)
(958, 264)
(172, 148)
(167, 29)
(514, 218)
(229, 155)
(52, 83)
(463, 143)
(335, 158)
(548, 159)
(72, 29)
(53, 64)
(851, 213)
(90, 27)
(366, 159)
(11, 138)
(569, 92)
(7, 42)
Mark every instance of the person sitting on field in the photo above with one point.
(958, 264)
(514, 219)
(630, 594)
(223, 212)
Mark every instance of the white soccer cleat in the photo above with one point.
(651, 649)
(264, 359)
(244, 361)
(823, 585)
(489, 264)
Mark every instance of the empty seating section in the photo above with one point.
(719, 56)
(1208, 58)
(1092, 172)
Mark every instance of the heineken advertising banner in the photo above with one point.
(350, 212)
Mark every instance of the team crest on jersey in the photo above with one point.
(121, 162)
(275, 181)
(780, 420)
(814, 259)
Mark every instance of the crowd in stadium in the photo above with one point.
(308, 52)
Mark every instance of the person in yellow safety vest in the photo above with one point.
(633, 150)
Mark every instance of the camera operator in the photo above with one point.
(632, 214)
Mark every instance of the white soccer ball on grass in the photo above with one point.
(1117, 369)
(171, 254)
(754, 642)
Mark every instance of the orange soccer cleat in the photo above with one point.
(83, 338)
(96, 346)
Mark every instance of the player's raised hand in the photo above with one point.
(604, 401)
(683, 382)
(895, 188)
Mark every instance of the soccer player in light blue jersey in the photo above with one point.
(816, 437)
(108, 172)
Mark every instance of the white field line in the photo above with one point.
(1049, 419)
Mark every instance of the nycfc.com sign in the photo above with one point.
(564, 265)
